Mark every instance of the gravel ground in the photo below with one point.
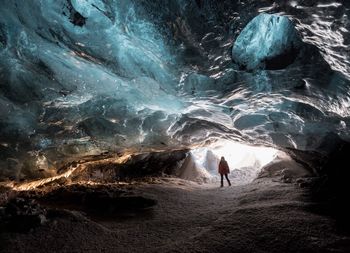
(264, 216)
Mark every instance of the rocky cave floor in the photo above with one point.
(168, 215)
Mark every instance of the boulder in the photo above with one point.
(268, 42)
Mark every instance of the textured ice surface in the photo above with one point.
(268, 41)
(82, 77)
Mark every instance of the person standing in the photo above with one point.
(224, 170)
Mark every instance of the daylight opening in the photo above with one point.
(245, 161)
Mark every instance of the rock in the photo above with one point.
(42, 218)
(267, 42)
(22, 215)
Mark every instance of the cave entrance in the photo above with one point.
(245, 162)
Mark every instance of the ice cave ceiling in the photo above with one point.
(80, 77)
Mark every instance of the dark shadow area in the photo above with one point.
(283, 60)
(329, 191)
(21, 215)
(74, 16)
(3, 36)
(32, 209)
(333, 187)
(97, 199)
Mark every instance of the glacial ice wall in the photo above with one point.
(80, 77)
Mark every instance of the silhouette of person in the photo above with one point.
(224, 170)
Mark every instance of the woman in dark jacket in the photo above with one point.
(224, 170)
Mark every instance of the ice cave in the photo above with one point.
(174, 126)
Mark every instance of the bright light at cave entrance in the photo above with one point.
(245, 161)
(241, 155)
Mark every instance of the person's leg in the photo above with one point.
(228, 180)
(222, 180)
